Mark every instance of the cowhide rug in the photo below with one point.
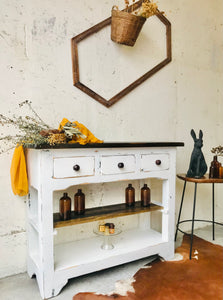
(200, 278)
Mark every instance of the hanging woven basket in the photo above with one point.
(125, 27)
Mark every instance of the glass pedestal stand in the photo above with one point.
(107, 239)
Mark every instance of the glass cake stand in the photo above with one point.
(107, 243)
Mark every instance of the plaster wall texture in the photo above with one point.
(35, 62)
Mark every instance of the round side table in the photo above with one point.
(204, 179)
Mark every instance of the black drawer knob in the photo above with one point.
(158, 162)
(121, 165)
(76, 167)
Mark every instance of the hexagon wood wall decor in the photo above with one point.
(75, 62)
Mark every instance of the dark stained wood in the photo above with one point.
(134, 6)
(163, 19)
(75, 61)
(109, 145)
(101, 213)
(136, 83)
(168, 42)
(167, 23)
(139, 81)
(91, 93)
(92, 30)
(204, 179)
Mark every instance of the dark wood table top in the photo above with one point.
(109, 145)
(204, 179)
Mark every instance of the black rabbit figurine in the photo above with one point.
(198, 166)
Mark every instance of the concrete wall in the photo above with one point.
(35, 62)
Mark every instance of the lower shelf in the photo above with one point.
(80, 254)
(35, 259)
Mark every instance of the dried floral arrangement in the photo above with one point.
(126, 24)
(33, 130)
(217, 151)
(146, 10)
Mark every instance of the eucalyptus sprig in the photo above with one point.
(71, 129)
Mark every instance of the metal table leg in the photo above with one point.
(181, 205)
(213, 220)
(192, 229)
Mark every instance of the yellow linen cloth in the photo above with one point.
(90, 138)
(19, 180)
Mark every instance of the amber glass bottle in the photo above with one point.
(65, 207)
(145, 195)
(221, 171)
(130, 195)
(111, 228)
(79, 202)
(214, 168)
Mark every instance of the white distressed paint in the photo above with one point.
(36, 65)
(53, 261)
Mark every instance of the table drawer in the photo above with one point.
(78, 166)
(155, 162)
(118, 164)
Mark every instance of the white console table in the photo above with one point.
(52, 169)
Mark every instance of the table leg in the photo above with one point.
(192, 229)
(213, 219)
(181, 205)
